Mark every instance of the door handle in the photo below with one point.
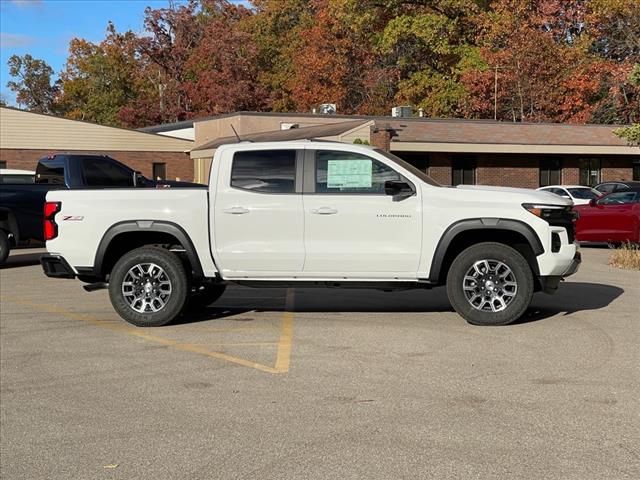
(236, 210)
(324, 211)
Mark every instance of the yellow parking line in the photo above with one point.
(286, 335)
(283, 350)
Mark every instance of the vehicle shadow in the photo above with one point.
(570, 298)
(22, 260)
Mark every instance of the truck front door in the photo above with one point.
(352, 227)
(258, 218)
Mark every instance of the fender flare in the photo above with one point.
(142, 226)
(480, 224)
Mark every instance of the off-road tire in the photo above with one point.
(4, 247)
(175, 273)
(465, 262)
(204, 295)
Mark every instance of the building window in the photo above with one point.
(159, 171)
(3, 164)
(463, 171)
(420, 160)
(589, 171)
(550, 171)
(636, 170)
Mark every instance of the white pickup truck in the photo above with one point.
(311, 213)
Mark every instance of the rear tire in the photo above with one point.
(148, 287)
(5, 247)
(490, 284)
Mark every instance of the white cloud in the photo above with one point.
(14, 40)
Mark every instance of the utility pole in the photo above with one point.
(495, 93)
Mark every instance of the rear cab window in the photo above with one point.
(50, 171)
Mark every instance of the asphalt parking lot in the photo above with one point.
(320, 384)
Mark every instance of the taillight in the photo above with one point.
(50, 226)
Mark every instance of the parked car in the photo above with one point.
(580, 194)
(21, 202)
(313, 214)
(612, 218)
(608, 187)
(12, 175)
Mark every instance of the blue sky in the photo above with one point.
(43, 28)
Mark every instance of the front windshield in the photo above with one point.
(583, 193)
(407, 166)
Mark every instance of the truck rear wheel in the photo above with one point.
(490, 284)
(4, 247)
(148, 287)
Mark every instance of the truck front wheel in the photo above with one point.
(148, 287)
(490, 284)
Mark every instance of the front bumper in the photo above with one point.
(574, 265)
(55, 266)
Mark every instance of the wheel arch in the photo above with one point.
(465, 233)
(123, 237)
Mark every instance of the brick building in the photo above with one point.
(25, 137)
(479, 152)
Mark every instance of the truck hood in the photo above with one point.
(523, 195)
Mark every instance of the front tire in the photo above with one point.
(490, 284)
(4, 247)
(148, 287)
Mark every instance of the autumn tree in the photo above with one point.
(33, 83)
(100, 79)
(221, 72)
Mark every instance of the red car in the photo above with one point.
(611, 218)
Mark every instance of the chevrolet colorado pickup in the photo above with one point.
(311, 213)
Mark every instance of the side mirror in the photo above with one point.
(398, 188)
(592, 202)
(138, 179)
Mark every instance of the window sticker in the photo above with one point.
(345, 174)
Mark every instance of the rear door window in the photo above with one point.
(268, 171)
(104, 172)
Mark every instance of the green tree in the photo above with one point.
(32, 85)
(100, 79)
(631, 134)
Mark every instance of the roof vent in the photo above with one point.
(405, 111)
(327, 109)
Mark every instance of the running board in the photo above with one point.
(92, 287)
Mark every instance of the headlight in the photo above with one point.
(546, 212)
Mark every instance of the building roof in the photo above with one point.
(20, 129)
(318, 131)
(168, 127)
(503, 133)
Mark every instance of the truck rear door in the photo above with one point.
(257, 213)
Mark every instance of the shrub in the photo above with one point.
(627, 256)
